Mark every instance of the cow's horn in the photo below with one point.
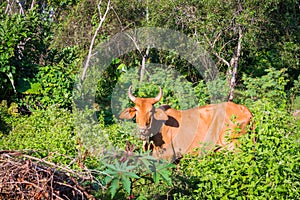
(159, 96)
(131, 96)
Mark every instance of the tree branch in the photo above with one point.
(21, 12)
(8, 7)
(215, 53)
(32, 4)
(102, 18)
(134, 40)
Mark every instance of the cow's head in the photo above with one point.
(146, 114)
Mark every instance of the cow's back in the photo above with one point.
(221, 124)
(206, 125)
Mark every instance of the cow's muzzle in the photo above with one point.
(144, 133)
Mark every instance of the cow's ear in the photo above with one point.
(128, 113)
(160, 114)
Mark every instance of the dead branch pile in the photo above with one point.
(26, 177)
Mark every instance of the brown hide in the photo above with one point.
(170, 133)
(205, 126)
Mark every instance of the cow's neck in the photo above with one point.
(155, 126)
(166, 134)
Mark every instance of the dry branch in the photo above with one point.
(26, 177)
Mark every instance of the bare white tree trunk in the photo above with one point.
(234, 63)
(134, 39)
(102, 19)
(32, 4)
(146, 55)
(143, 67)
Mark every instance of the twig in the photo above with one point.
(21, 8)
(134, 40)
(22, 178)
(82, 189)
(56, 166)
(69, 186)
(215, 53)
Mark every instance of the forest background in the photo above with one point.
(255, 46)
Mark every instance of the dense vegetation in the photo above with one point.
(255, 45)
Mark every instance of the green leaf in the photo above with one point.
(122, 67)
(132, 175)
(126, 183)
(108, 179)
(166, 176)
(115, 184)
(156, 177)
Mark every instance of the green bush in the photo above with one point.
(270, 86)
(24, 43)
(267, 169)
(53, 83)
(8, 117)
(125, 173)
(46, 132)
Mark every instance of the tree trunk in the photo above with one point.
(102, 19)
(143, 67)
(146, 55)
(234, 63)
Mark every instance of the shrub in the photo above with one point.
(25, 41)
(8, 116)
(53, 83)
(270, 87)
(46, 132)
(125, 173)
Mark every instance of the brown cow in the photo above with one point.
(170, 133)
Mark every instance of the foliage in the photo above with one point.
(117, 169)
(56, 81)
(269, 29)
(177, 91)
(268, 168)
(270, 86)
(112, 89)
(49, 133)
(25, 39)
(294, 93)
(124, 170)
(8, 117)
(75, 24)
(119, 174)
(121, 132)
(32, 73)
(52, 84)
(41, 50)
